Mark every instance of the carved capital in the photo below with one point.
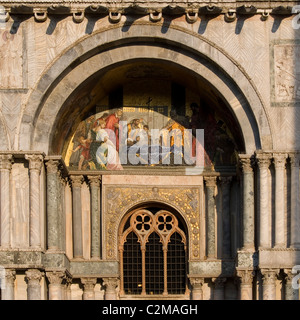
(88, 283)
(197, 282)
(35, 161)
(33, 276)
(76, 181)
(52, 166)
(6, 161)
(246, 276)
(290, 275)
(269, 276)
(263, 160)
(10, 275)
(110, 284)
(210, 181)
(94, 181)
(55, 277)
(279, 160)
(246, 163)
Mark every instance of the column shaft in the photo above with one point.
(55, 284)
(290, 292)
(248, 202)
(8, 290)
(226, 248)
(77, 216)
(110, 285)
(210, 218)
(279, 161)
(295, 205)
(88, 288)
(219, 290)
(246, 284)
(269, 284)
(264, 232)
(52, 205)
(35, 165)
(5, 205)
(33, 278)
(95, 216)
(197, 291)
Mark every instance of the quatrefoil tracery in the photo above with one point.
(143, 223)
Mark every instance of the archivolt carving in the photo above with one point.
(119, 200)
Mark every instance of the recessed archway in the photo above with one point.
(103, 51)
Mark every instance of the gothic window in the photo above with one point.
(153, 254)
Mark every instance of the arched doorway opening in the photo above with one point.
(153, 253)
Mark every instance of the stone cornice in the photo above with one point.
(155, 9)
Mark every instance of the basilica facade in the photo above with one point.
(149, 150)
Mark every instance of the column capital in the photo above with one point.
(6, 161)
(76, 180)
(10, 275)
(34, 276)
(94, 181)
(35, 161)
(88, 283)
(52, 166)
(246, 162)
(246, 276)
(55, 277)
(196, 282)
(110, 283)
(210, 181)
(295, 159)
(279, 159)
(269, 275)
(263, 160)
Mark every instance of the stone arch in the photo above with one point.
(110, 47)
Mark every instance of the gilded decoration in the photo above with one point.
(119, 200)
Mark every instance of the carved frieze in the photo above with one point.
(119, 200)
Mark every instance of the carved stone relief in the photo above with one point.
(117, 201)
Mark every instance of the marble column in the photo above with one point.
(269, 284)
(55, 284)
(94, 182)
(8, 291)
(5, 204)
(248, 202)
(110, 285)
(290, 292)
(295, 203)
(219, 288)
(33, 278)
(210, 183)
(197, 285)
(263, 161)
(52, 205)
(35, 166)
(88, 288)
(226, 240)
(77, 215)
(279, 161)
(246, 284)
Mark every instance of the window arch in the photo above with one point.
(153, 251)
